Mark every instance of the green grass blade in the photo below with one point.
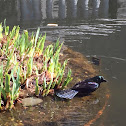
(1, 75)
(1, 30)
(22, 45)
(37, 87)
(44, 83)
(4, 22)
(42, 43)
(0, 97)
(29, 66)
(62, 72)
(52, 73)
(56, 45)
(51, 66)
(18, 76)
(1, 82)
(6, 30)
(13, 90)
(16, 85)
(39, 42)
(7, 47)
(68, 79)
(17, 32)
(12, 33)
(36, 37)
(7, 83)
(17, 82)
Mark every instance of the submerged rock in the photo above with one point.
(31, 101)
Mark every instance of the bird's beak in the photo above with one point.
(104, 80)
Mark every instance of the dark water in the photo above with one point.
(92, 27)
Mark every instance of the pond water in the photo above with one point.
(93, 28)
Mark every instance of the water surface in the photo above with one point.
(94, 28)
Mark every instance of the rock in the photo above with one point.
(31, 101)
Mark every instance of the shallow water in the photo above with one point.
(90, 27)
(52, 110)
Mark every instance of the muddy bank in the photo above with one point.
(58, 112)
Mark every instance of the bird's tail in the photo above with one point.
(67, 94)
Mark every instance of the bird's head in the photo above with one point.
(98, 79)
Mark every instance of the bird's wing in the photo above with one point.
(79, 85)
(67, 94)
(93, 85)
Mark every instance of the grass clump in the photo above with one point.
(26, 64)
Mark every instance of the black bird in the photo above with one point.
(82, 88)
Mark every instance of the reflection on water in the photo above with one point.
(85, 8)
(41, 10)
(72, 9)
(29, 10)
(62, 9)
(48, 9)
